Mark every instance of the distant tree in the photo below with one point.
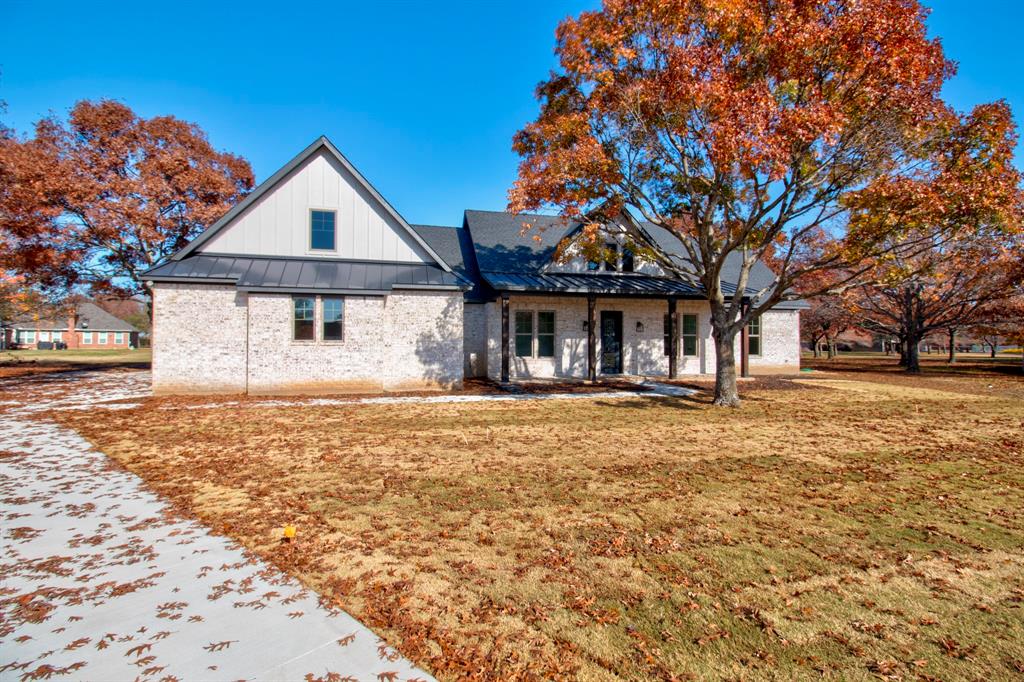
(827, 318)
(957, 283)
(95, 201)
(1000, 321)
(808, 134)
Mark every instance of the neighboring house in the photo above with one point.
(88, 327)
(314, 283)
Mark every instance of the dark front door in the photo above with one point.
(611, 342)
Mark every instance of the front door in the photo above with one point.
(611, 342)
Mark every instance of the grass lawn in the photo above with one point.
(851, 524)
(25, 362)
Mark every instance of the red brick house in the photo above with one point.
(89, 327)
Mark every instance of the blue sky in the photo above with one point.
(423, 97)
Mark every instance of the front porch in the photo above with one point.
(587, 337)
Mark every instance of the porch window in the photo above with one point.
(334, 314)
(667, 336)
(545, 334)
(303, 327)
(58, 336)
(321, 231)
(524, 333)
(689, 334)
(754, 336)
(27, 336)
(44, 336)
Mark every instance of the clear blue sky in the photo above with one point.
(423, 97)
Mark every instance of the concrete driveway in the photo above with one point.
(101, 580)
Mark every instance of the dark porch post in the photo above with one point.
(744, 344)
(592, 337)
(504, 338)
(673, 340)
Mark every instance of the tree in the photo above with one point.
(956, 283)
(826, 319)
(98, 200)
(805, 133)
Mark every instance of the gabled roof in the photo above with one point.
(90, 316)
(455, 245)
(510, 260)
(306, 275)
(321, 143)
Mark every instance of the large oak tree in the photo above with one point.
(808, 133)
(94, 201)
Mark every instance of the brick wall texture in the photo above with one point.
(213, 339)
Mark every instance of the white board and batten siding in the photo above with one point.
(278, 223)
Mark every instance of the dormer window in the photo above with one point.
(627, 260)
(322, 230)
(611, 262)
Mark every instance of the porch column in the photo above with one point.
(673, 340)
(744, 344)
(592, 337)
(504, 338)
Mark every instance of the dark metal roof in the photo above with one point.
(614, 285)
(306, 275)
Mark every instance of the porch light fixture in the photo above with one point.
(584, 325)
(639, 327)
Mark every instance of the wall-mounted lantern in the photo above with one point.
(639, 327)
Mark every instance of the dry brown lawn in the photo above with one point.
(845, 525)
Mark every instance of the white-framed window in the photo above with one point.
(332, 326)
(754, 336)
(58, 336)
(27, 336)
(103, 338)
(303, 318)
(86, 338)
(323, 230)
(689, 334)
(44, 336)
(119, 338)
(535, 334)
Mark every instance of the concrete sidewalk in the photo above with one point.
(100, 580)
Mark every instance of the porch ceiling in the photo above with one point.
(607, 285)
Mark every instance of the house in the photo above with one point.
(315, 283)
(88, 326)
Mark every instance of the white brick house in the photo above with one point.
(315, 284)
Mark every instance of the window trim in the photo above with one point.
(553, 334)
(118, 338)
(526, 314)
(87, 338)
(295, 320)
(323, 318)
(751, 336)
(102, 338)
(695, 335)
(309, 231)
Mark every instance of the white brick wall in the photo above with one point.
(643, 351)
(410, 340)
(198, 339)
(474, 328)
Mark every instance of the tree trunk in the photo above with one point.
(993, 346)
(831, 350)
(913, 364)
(952, 345)
(726, 393)
(817, 349)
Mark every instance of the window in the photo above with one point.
(754, 336)
(58, 336)
(545, 334)
(524, 333)
(119, 338)
(334, 314)
(304, 329)
(667, 336)
(321, 230)
(44, 336)
(611, 261)
(103, 338)
(628, 261)
(689, 334)
(27, 336)
(87, 338)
